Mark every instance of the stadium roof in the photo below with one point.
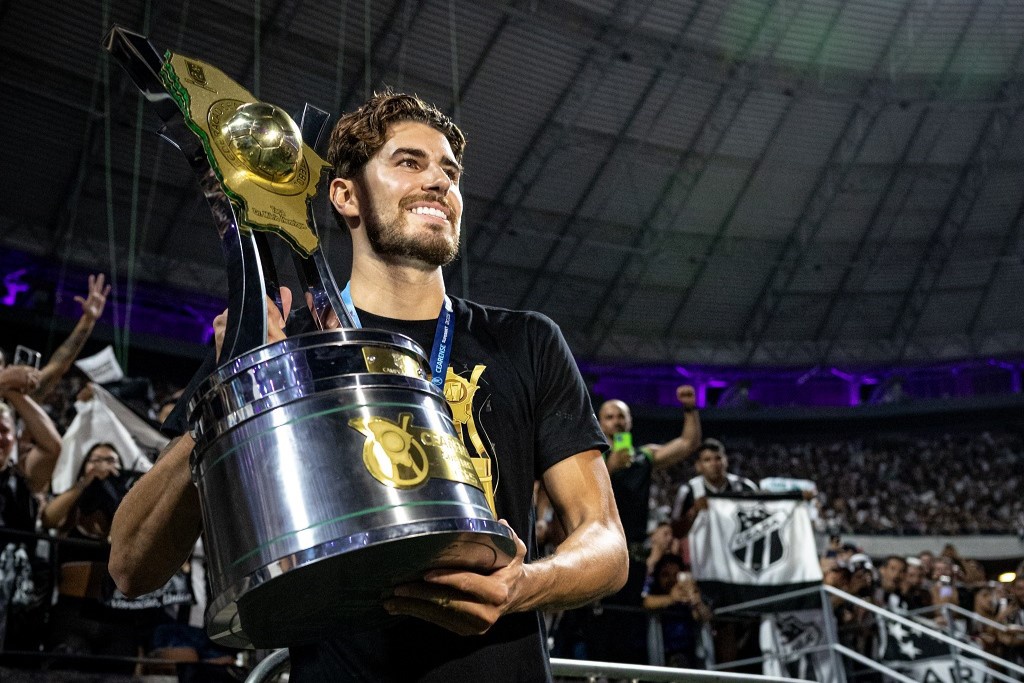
(729, 182)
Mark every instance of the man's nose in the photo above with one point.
(437, 180)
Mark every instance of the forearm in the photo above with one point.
(157, 523)
(656, 602)
(55, 514)
(590, 563)
(681, 527)
(37, 422)
(684, 445)
(61, 360)
(39, 462)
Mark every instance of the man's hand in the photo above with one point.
(700, 504)
(21, 379)
(330, 321)
(86, 393)
(460, 600)
(96, 299)
(618, 460)
(687, 396)
(276, 319)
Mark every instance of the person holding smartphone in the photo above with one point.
(671, 595)
(619, 633)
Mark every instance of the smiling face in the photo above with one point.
(407, 197)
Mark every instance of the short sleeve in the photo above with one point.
(176, 422)
(566, 423)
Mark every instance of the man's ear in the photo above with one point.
(344, 197)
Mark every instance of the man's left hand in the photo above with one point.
(462, 600)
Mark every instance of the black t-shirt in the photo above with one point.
(18, 507)
(530, 410)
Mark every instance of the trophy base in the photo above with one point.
(338, 587)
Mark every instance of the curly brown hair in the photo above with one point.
(359, 134)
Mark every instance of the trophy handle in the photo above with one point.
(314, 274)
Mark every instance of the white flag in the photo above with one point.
(102, 367)
(784, 635)
(745, 548)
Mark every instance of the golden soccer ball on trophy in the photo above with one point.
(265, 140)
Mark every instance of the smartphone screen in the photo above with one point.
(622, 441)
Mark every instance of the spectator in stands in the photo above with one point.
(915, 593)
(734, 639)
(29, 471)
(988, 601)
(672, 594)
(927, 559)
(661, 543)
(1011, 613)
(622, 628)
(24, 474)
(945, 586)
(88, 506)
(712, 467)
(888, 593)
(91, 617)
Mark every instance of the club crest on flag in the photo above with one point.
(757, 543)
(798, 634)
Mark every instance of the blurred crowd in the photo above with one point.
(63, 472)
(990, 613)
(70, 449)
(934, 485)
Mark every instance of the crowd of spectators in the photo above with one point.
(945, 484)
(66, 461)
(922, 586)
(904, 485)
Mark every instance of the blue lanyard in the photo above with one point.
(444, 335)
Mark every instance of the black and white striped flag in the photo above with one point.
(754, 546)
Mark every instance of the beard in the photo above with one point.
(390, 241)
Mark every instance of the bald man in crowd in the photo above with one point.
(624, 633)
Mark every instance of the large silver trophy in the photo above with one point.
(329, 467)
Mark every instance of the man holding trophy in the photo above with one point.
(517, 399)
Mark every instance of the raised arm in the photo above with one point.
(157, 523)
(38, 462)
(60, 362)
(684, 445)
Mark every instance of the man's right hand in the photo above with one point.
(700, 504)
(21, 379)
(276, 320)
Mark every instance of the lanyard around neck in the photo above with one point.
(444, 335)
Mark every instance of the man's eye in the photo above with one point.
(411, 163)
